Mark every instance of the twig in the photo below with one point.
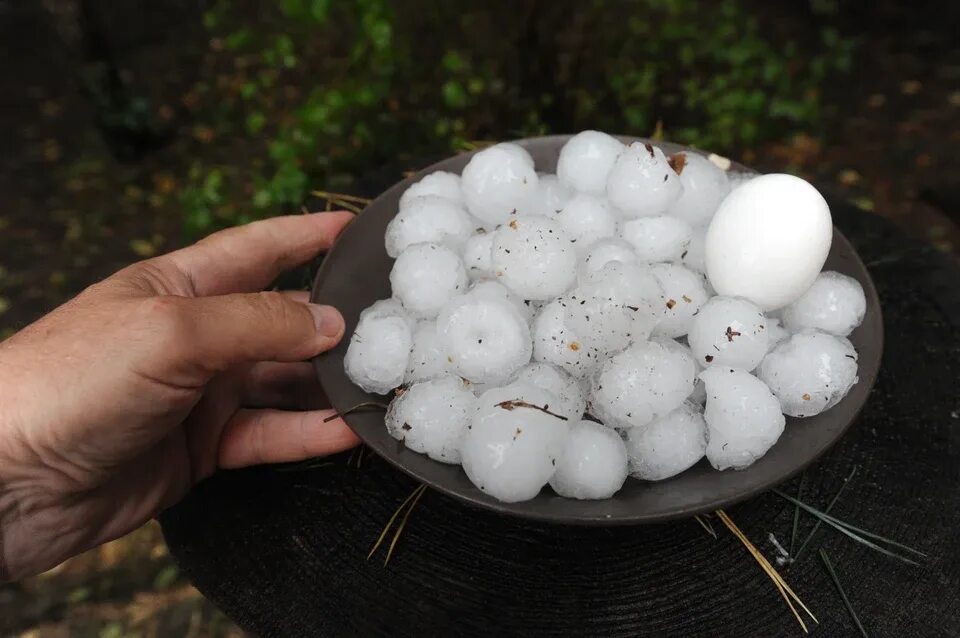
(707, 527)
(833, 502)
(518, 403)
(846, 601)
(360, 406)
(389, 524)
(403, 524)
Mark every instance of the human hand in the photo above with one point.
(116, 403)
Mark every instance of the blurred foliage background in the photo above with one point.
(134, 127)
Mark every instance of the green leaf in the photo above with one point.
(454, 95)
(453, 61)
(255, 122)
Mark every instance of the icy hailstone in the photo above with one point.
(670, 445)
(587, 218)
(427, 360)
(743, 417)
(496, 290)
(439, 183)
(425, 277)
(485, 339)
(642, 182)
(643, 382)
(570, 398)
(427, 219)
(604, 251)
(593, 463)
(556, 341)
(379, 349)
(533, 257)
(729, 332)
(685, 293)
(586, 160)
(704, 187)
(431, 417)
(478, 256)
(657, 238)
(510, 451)
(835, 303)
(810, 372)
(552, 196)
(499, 182)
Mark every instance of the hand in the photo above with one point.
(116, 403)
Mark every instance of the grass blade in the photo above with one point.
(833, 502)
(843, 594)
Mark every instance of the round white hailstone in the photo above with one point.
(509, 451)
(552, 195)
(704, 187)
(593, 464)
(658, 238)
(643, 382)
(604, 251)
(587, 218)
(693, 257)
(743, 417)
(685, 292)
(440, 183)
(425, 277)
(427, 360)
(499, 182)
(379, 348)
(496, 290)
(478, 256)
(431, 417)
(729, 332)
(586, 160)
(669, 445)
(555, 341)
(571, 401)
(518, 151)
(776, 333)
(835, 303)
(810, 372)
(533, 257)
(642, 182)
(485, 339)
(427, 219)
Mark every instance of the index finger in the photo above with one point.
(247, 258)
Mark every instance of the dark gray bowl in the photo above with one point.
(355, 274)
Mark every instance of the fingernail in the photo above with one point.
(327, 319)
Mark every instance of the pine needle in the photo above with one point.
(366, 405)
(312, 464)
(833, 502)
(403, 524)
(796, 516)
(360, 455)
(843, 594)
(342, 196)
(393, 518)
(856, 533)
(706, 525)
(771, 572)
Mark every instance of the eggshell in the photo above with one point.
(769, 240)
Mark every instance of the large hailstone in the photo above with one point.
(810, 372)
(657, 238)
(729, 332)
(379, 348)
(743, 417)
(510, 450)
(643, 382)
(496, 290)
(604, 251)
(478, 256)
(571, 401)
(427, 219)
(552, 196)
(499, 182)
(485, 338)
(685, 292)
(431, 417)
(556, 341)
(593, 464)
(534, 258)
(437, 184)
(587, 218)
(642, 183)
(586, 160)
(669, 445)
(835, 303)
(427, 359)
(425, 277)
(704, 186)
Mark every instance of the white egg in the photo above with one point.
(768, 240)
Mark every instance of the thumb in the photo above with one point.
(265, 326)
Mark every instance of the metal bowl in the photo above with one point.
(355, 274)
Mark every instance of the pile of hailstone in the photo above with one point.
(560, 328)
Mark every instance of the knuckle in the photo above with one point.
(167, 318)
